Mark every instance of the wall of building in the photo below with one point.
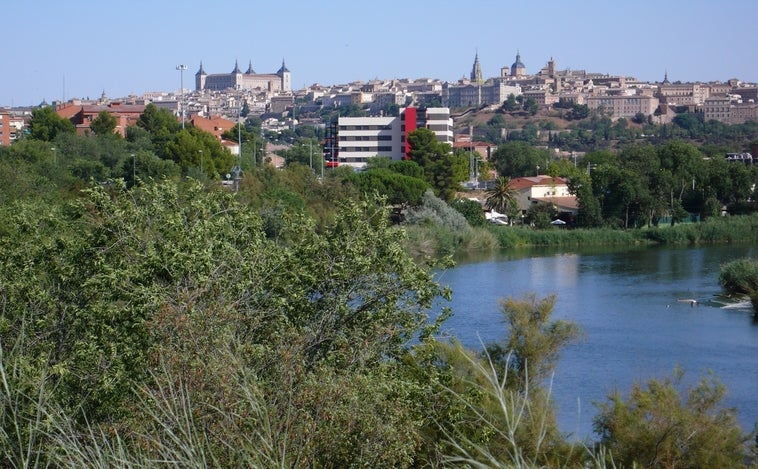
(363, 138)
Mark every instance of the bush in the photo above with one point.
(657, 427)
(471, 209)
(436, 211)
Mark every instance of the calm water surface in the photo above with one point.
(626, 303)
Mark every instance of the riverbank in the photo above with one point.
(432, 241)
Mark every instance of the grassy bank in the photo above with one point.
(430, 240)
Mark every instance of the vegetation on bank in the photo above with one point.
(165, 324)
(740, 277)
(433, 239)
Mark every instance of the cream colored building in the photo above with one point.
(624, 106)
(363, 138)
(543, 189)
(250, 80)
(683, 94)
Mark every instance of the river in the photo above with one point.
(625, 301)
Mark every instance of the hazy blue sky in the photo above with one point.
(75, 48)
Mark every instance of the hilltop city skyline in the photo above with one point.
(88, 47)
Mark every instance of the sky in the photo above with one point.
(57, 50)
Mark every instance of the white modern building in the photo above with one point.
(362, 138)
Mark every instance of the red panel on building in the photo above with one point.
(411, 120)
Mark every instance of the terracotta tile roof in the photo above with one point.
(570, 203)
(540, 180)
(215, 124)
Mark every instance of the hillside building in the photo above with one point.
(623, 106)
(362, 138)
(249, 80)
(11, 127)
(82, 114)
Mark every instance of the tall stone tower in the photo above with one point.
(286, 77)
(237, 75)
(476, 70)
(200, 78)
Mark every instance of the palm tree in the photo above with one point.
(502, 197)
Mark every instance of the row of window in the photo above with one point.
(366, 149)
(365, 127)
(365, 138)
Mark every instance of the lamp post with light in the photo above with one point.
(181, 69)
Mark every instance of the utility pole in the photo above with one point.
(181, 69)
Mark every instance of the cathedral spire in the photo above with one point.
(250, 70)
(236, 67)
(201, 71)
(476, 70)
(283, 69)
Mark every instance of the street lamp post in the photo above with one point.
(134, 170)
(239, 129)
(181, 69)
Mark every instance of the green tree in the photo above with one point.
(471, 209)
(103, 124)
(660, 426)
(158, 121)
(534, 340)
(399, 189)
(540, 215)
(578, 111)
(306, 152)
(510, 104)
(531, 106)
(443, 170)
(46, 124)
(192, 147)
(145, 166)
(407, 168)
(525, 359)
(639, 118)
(518, 159)
(502, 197)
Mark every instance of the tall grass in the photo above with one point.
(515, 237)
(733, 229)
(515, 409)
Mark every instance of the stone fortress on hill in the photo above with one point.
(281, 81)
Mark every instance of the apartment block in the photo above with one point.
(10, 127)
(362, 138)
(5, 125)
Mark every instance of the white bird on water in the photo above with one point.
(691, 301)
